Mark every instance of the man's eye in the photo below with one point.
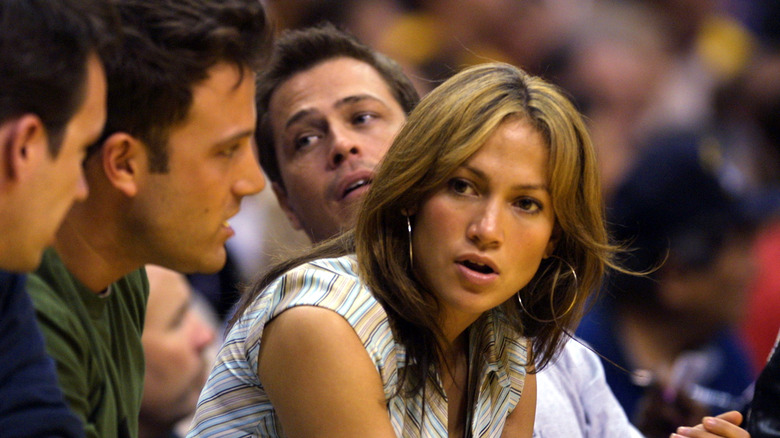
(305, 140)
(230, 151)
(363, 118)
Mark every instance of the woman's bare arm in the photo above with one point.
(320, 378)
(520, 423)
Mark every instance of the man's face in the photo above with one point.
(332, 124)
(176, 339)
(59, 181)
(180, 218)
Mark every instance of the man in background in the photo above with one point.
(52, 106)
(178, 336)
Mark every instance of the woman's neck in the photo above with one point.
(455, 374)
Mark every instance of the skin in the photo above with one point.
(725, 425)
(42, 188)
(332, 125)
(175, 339)
(495, 210)
(176, 219)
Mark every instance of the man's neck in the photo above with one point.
(92, 250)
(154, 430)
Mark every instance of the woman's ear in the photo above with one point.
(553, 242)
(409, 211)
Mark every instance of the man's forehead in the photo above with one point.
(340, 103)
(330, 82)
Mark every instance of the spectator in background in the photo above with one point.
(178, 336)
(175, 159)
(749, 124)
(673, 331)
(52, 107)
(614, 65)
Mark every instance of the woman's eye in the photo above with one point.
(528, 204)
(460, 186)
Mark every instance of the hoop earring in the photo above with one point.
(552, 293)
(409, 229)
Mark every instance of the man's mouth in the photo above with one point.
(355, 185)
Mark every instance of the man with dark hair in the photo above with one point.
(173, 163)
(52, 106)
(323, 87)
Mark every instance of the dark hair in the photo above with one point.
(169, 47)
(44, 47)
(299, 50)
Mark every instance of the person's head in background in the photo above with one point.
(176, 339)
(52, 107)
(676, 214)
(694, 235)
(328, 110)
(177, 153)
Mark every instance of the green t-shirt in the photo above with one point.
(96, 344)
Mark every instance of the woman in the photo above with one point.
(479, 241)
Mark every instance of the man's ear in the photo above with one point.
(124, 161)
(25, 143)
(281, 196)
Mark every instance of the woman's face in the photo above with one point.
(481, 236)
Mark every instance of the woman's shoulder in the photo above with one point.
(345, 265)
(330, 283)
(316, 274)
(319, 282)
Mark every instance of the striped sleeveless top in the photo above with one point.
(234, 404)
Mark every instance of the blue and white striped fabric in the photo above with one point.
(234, 403)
